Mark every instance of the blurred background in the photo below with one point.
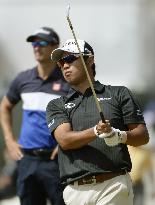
(122, 33)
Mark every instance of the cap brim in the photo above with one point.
(33, 37)
(57, 54)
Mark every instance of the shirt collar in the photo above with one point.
(98, 87)
(55, 75)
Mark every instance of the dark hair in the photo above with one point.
(93, 65)
(94, 70)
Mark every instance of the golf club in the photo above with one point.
(84, 65)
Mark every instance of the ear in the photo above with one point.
(90, 60)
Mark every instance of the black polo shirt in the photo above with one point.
(118, 105)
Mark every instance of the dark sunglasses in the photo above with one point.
(68, 59)
(40, 43)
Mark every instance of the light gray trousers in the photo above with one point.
(116, 191)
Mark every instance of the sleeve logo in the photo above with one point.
(51, 123)
(139, 112)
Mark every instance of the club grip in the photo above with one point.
(102, 117)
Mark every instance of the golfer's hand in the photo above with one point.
(103, 127)
(111, 136)
(14, 149)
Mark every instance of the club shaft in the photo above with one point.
(88, 77)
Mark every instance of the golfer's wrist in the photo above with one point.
(95, 131)
(123, 137)
(122, 134)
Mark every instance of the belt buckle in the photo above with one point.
(38, 152)
(89, 181)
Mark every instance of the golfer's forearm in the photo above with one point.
(138, 136)
(75, 140)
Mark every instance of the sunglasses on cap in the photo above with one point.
(67, 59)
(40, 43)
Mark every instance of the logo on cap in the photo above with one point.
(70, 43)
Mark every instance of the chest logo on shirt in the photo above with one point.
(69, 105)
(56, 86)
(101, 99)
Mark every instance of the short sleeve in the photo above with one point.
(130, 107)
(13, 93)
(56, 114)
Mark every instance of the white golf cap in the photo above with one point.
(71, 47)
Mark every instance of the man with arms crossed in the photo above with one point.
(36, 150)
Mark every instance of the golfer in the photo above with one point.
(93, 156)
